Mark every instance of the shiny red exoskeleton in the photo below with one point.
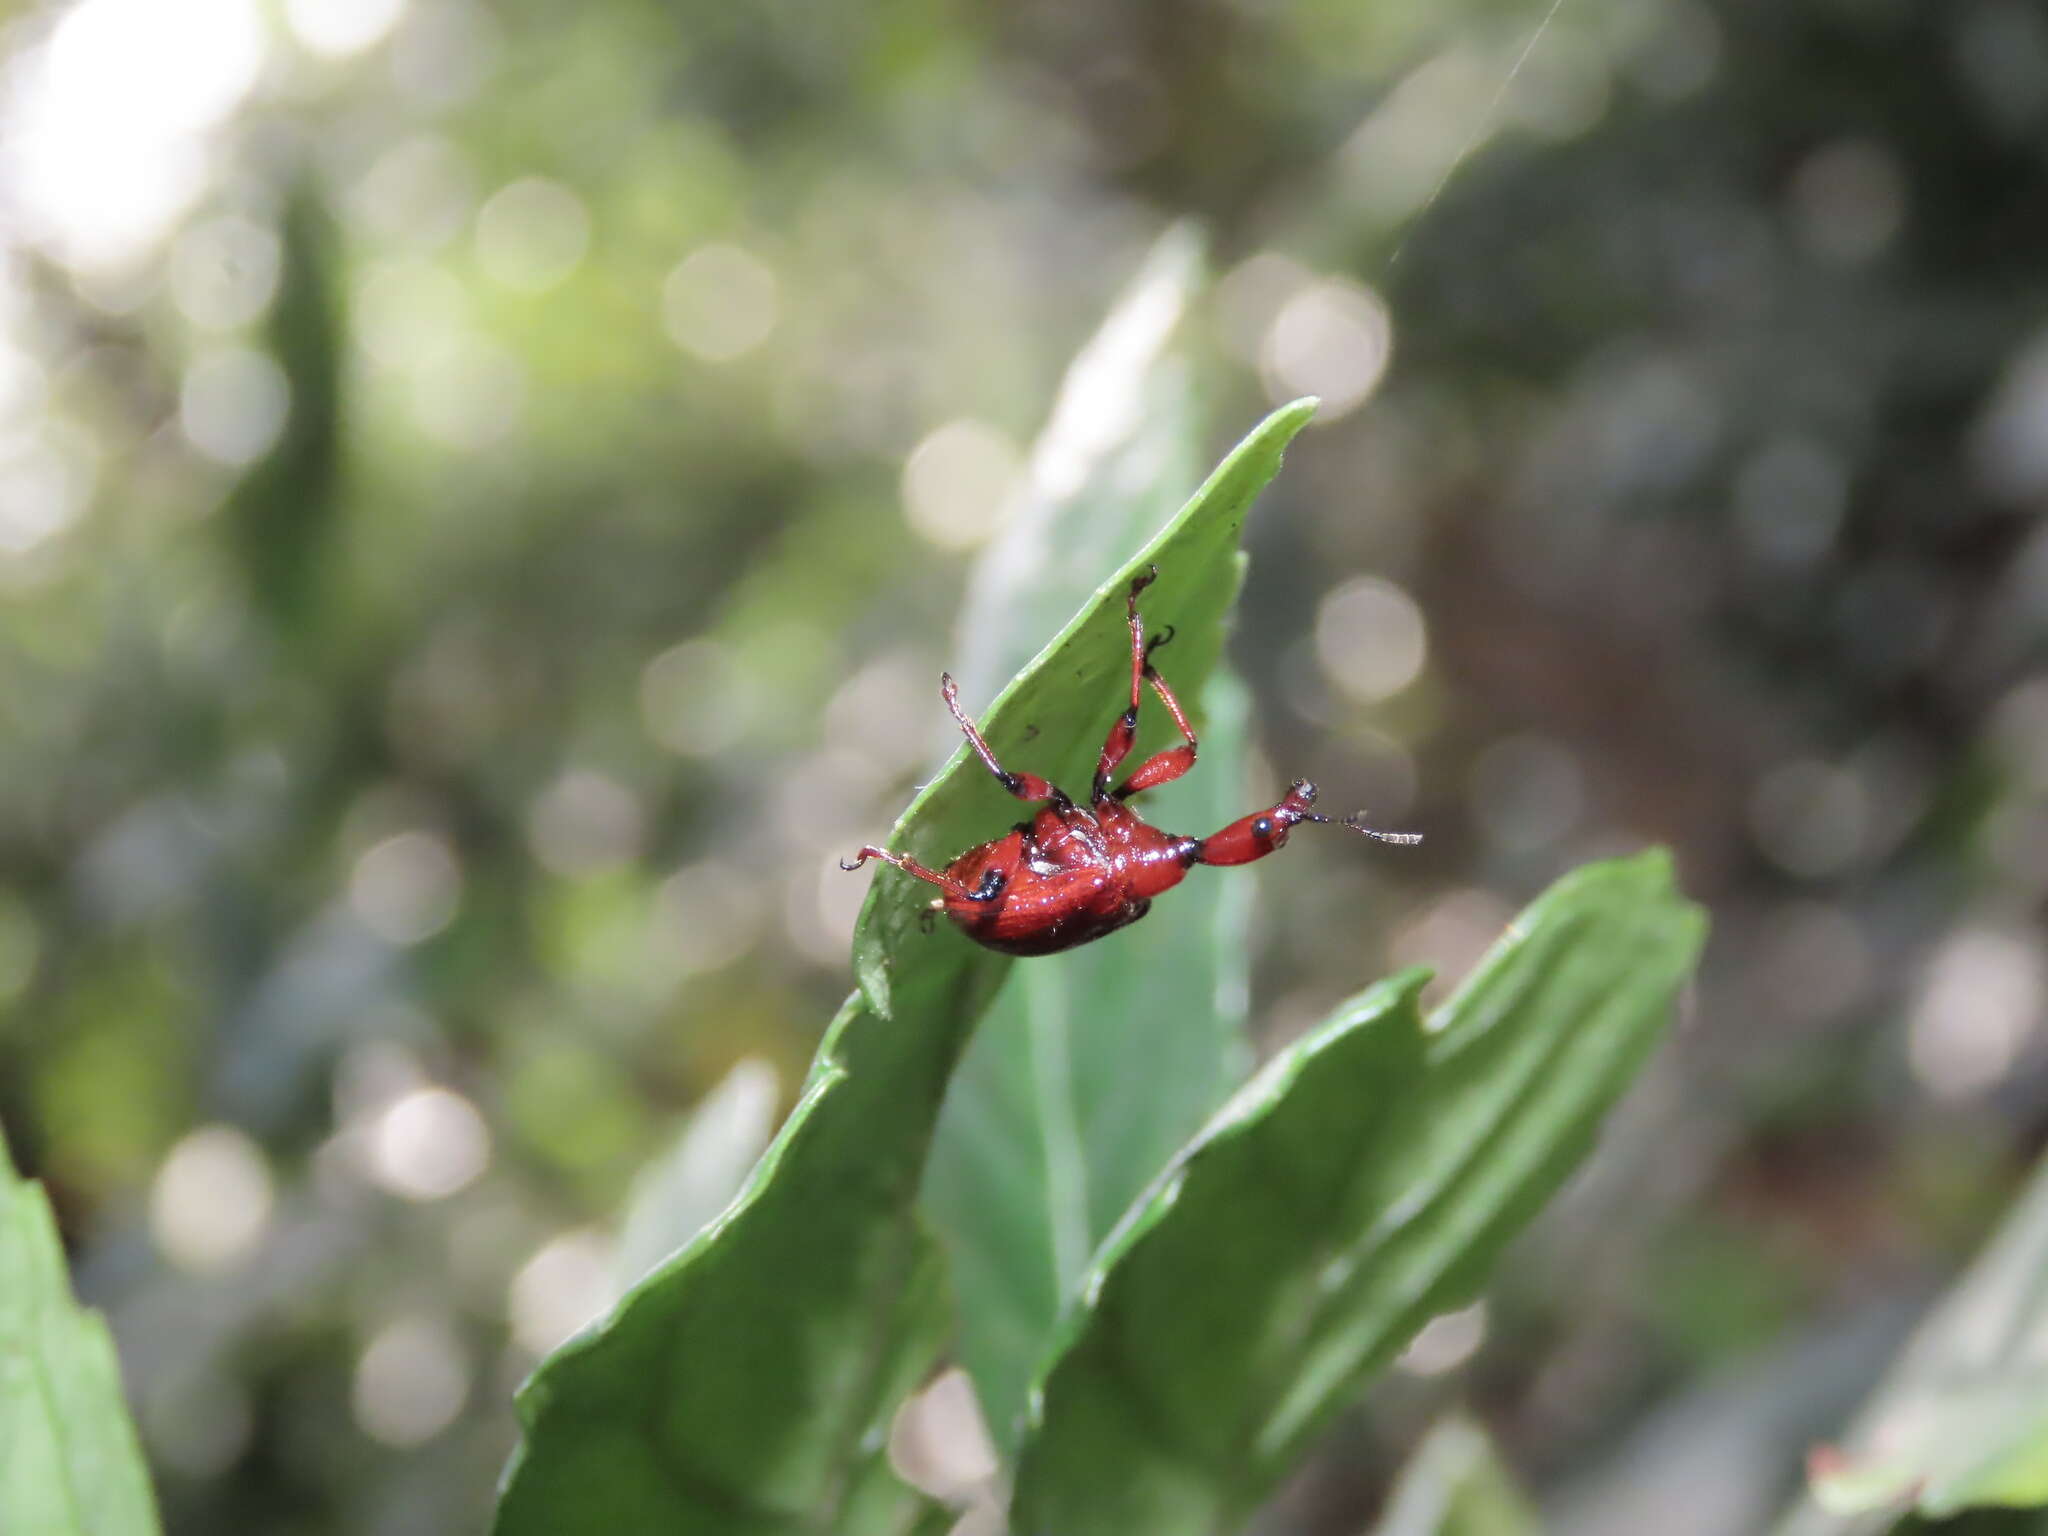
(1074, 873)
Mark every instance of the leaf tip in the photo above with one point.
(1296, 413)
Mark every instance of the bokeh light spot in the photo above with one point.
(883, 713)
(957, 483)
(531, 235)
(939, 1442)
(211, 1201)
(224, 272)
(410, 1382)
(408, 314)
(695, 698)
(1980, 1004)
(471, 395)
(563, 1287)
(706, 915)
(338, 28)
(233, 404)
(108, 124)
(584, 823)
(1528, 792)
(1445, 1342)
(407, 887)
(1370, 639)
(720, 302)
(1331, 339)
(42, 493)
(1810, 818)
(428, 1144)
(1251, 294)
(417, 194)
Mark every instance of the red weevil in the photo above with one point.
(1072, 873)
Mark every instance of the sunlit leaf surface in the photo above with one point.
(1962, 1420)
(69, 1463)
(1363, 1182)
(746, 1384)
(1095, 1065)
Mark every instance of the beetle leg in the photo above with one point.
(1161, 767)
(1117, 746)
(1025, 786)
(909, 866)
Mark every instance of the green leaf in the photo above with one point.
(1093, 1066)
(69, 1462)
(1365, 1181)
(1455, 1485)
(692, 1181)
(1961, 1421)
(745, 1385)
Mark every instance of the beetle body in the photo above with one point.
(1064, 877)
(1071, 873)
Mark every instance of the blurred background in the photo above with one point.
(485, 490)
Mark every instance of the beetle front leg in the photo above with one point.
(909, 866)
(1254, 836)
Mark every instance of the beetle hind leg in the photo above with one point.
(909, 866)
(1163, 767)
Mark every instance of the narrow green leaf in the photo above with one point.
(745, 1385)
(1093, 1066)
(69, 1462)
(1961, 1421)
(282, 513)
(1366, 1180)
(1455, 1485)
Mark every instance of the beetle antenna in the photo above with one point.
(1356, 822)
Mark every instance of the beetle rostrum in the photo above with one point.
(1073, 873)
